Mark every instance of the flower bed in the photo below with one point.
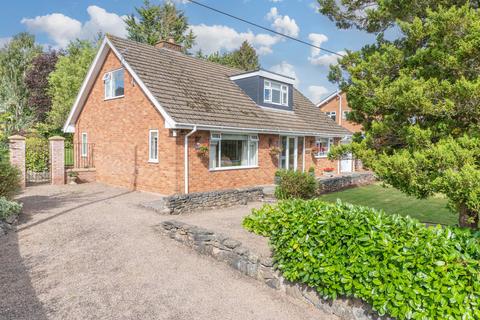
(396, 264)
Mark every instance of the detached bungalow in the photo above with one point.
(155, 119)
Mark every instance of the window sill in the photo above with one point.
(153, 161)
(233, 168)
(114, 98)
(321, 157)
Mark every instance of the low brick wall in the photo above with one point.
(182, 203)
(84, 175)
(336, 183)
(245, 260)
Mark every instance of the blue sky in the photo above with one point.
(55, 22)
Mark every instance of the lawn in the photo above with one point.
(432, 210)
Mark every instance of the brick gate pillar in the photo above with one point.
(57, 159)
(17, 156)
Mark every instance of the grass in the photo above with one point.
(432, 210)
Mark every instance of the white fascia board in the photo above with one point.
(69, 125)
(90, 78)
(264, 74)
(256, 130)
(328, 98)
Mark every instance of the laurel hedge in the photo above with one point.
(400, 266)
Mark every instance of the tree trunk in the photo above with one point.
(467, 218)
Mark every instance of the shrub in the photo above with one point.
(9, 179)
(294, 184)
(8, 208)
(36, 154)
(398, 265)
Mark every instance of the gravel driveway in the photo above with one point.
(90, 252)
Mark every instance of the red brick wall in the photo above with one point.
(334, 105)
(119, 129)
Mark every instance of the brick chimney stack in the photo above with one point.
(169, 44)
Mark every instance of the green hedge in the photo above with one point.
(295, 184)
(9, 179)
(36, 154)
(396, 264)
(8, 208)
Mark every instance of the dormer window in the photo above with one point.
(114, 84)
(275, 93)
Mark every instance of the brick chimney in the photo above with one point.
(169, 44)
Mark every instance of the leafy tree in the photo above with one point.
(244, 58)
(159, 22)
(36, 81)
(418, 100)
(15, 59)
(65, 81)
(377, 16)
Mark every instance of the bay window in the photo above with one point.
(275, 93)
(233, 150)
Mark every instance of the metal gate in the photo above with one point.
(37, 162)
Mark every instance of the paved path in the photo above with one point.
(89, 252)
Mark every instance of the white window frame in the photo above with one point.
(345, 114)
(216, 137)
(84, 145)
(319, 154)
(151, 158)
(109, 84)
(331, 115)
(267, 85)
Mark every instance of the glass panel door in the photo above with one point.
(289, 155)
(283, 155)
(292, 153)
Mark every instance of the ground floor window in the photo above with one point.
(233, 150)
(322, 146)
(84, 144)
(153, 146)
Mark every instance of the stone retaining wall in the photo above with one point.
(336, 183)
(182, 203)
(245, 260)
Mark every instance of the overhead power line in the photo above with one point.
(265, 28)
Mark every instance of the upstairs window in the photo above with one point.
(322, 146)
(345, 115)
(233, 151)
(275, 93)
(114, 84)
(332, 115)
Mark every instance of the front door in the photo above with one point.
(289, 155)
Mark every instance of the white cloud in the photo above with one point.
(315, 93)
(59, 27)
(219, 37)
(318, 59)
(317, 39)
(326, 59)
(4, 41)
(286, 69)
(283, 24)
(62, 29)
(275, 1)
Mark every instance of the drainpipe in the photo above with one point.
(339, 95)
(186, 157)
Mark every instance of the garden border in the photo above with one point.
(245, 260)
